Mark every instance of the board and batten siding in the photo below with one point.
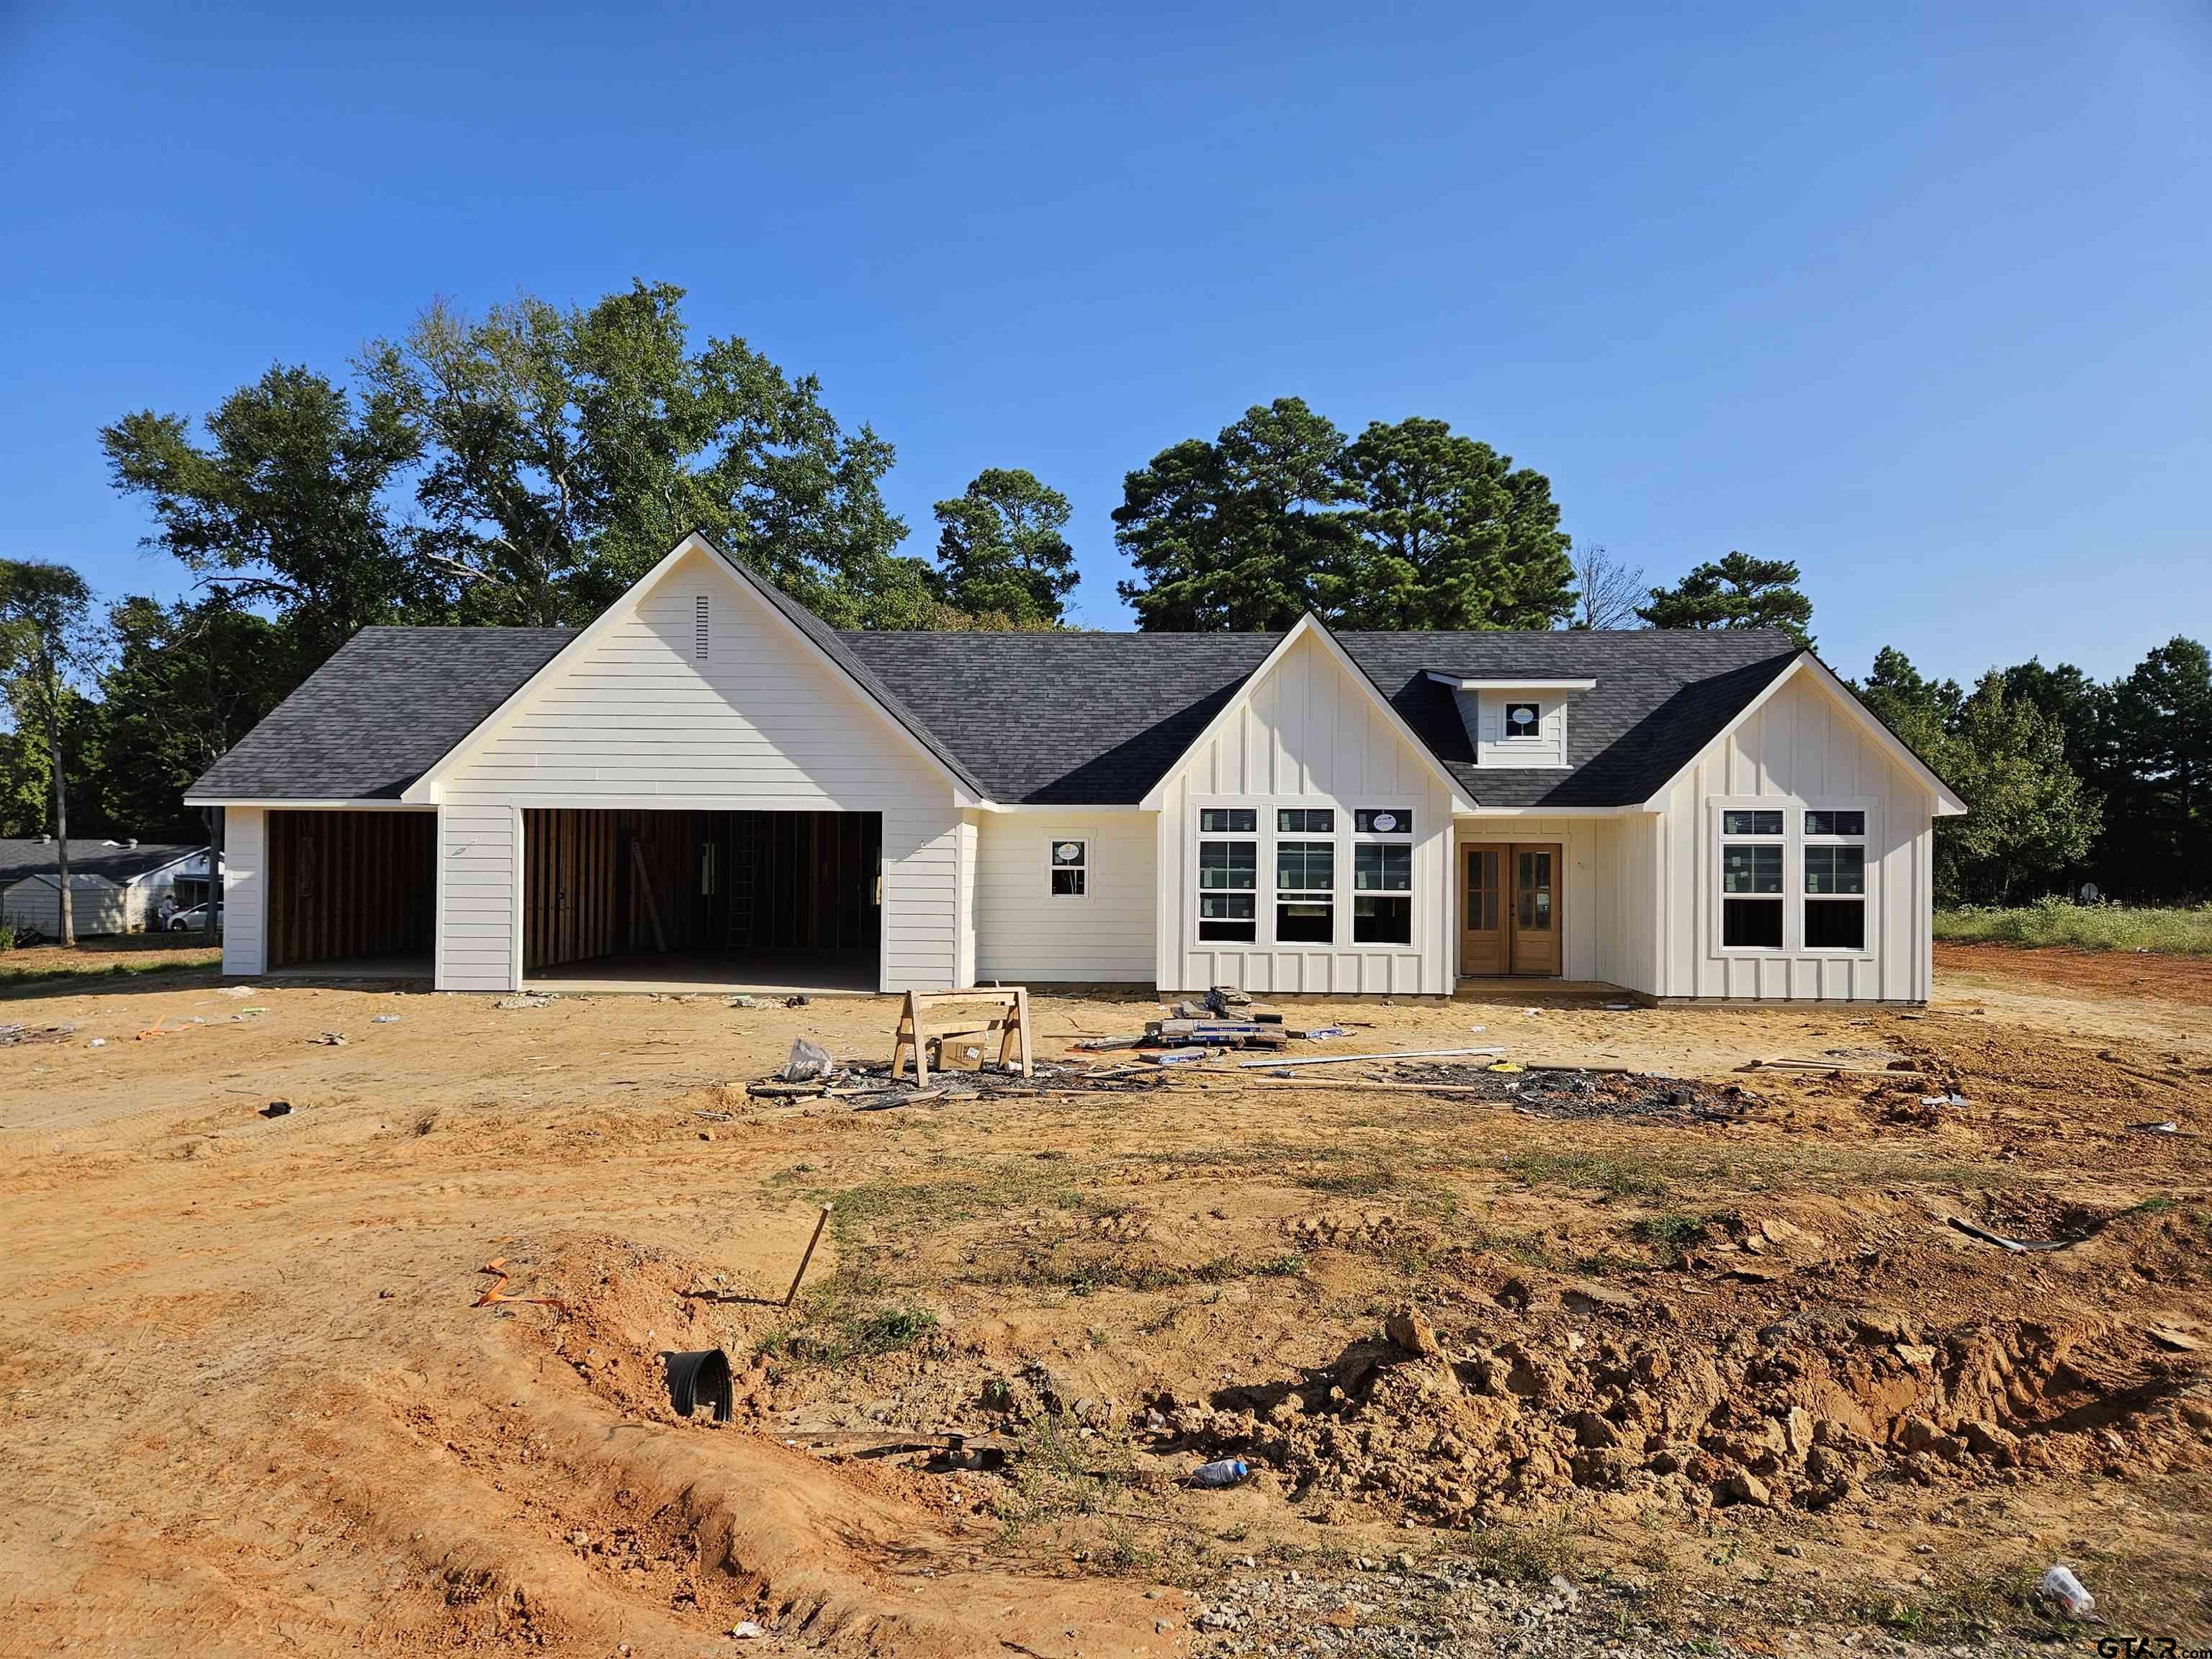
(1023, 932)
(1310, 734)
(244, 889)
(633, 718)
(1801, 747)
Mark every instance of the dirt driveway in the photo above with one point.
(1723, 1360)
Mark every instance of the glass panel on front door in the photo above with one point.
(1482, 890)
(1533, 885)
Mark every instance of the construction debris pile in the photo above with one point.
(1196, 1031)
(1575, 1092)
(1802, 1413)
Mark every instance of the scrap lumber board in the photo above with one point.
(917, 1031)
(1343, 1060)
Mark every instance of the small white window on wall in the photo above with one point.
(1752, 847)
(1524, 720)
(1071, 868)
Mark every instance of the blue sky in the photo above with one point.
(1918, 297)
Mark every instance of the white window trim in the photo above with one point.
(1259, 835)
(1089, 866)
(1265, 894)
(1506, 734)
(1793, 841)
(1405, 838)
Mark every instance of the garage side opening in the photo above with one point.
(352, 894)
(635, 900)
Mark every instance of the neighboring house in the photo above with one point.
(708, 781)
(115, 886)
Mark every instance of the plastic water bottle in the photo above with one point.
(1227, 1472)
(2064, 1588)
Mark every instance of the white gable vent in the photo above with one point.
(699, 637)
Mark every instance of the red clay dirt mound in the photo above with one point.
(582, 1512)
(1802, 1411)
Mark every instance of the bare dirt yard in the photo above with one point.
(1535, 1362)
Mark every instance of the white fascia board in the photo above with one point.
(424, 788)
(1552, 813)
(1948, 803)
(1522, 684)
(1155, 797)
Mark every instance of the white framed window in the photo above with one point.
(1305, 892)
(1228, 874)
(1067, 867)
(1338, 876)
(1753, 851)
(1382, 875)
(1524, 719)
(1793, 878)
(1834, 851)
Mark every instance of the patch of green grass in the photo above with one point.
(2183, 930)
(11, 977)
(847, 1318)
(1058, 1474)
(1669, 1233)
(1082, 1267)
(1528, 1555)
(1615, 1178)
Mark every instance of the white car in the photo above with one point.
(195, 921)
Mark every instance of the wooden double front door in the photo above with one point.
(1509, 916)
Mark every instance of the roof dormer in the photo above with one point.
(1516, 722)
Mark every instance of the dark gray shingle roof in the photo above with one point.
(1044, 718)
(94, 857)
(1660, 696)
(1059, 719)
(380, 712)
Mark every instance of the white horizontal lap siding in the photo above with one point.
(479, 873)
(1802, 746)
(244, 889)
(1483, 712)
(1311, 734)
(97, 905)
(763, 723)
(1023, 932)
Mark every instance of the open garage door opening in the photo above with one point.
(352, 894)
(625, 900)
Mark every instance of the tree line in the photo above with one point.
(527, 465)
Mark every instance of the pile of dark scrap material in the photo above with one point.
(1569, 1092)
(871, 1087)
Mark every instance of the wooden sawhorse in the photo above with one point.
(917, 1029)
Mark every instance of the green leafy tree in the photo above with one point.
(1002, 552)
(568, 451)
(186, 681)
(2029, 816)
(45, 635)
(1736, 591)
(1238, 534)
(288, 506)
(2160, 747)
(1919, 710)
(1450, 535)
